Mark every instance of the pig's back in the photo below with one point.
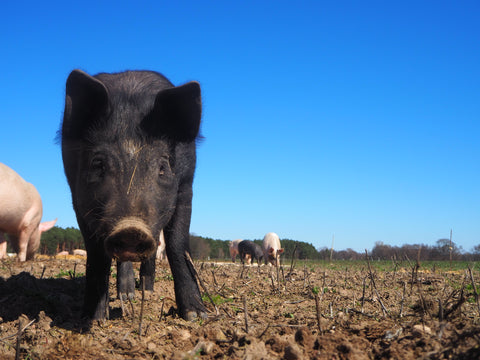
(16, 198)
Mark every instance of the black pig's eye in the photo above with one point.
(97, 170)
(164, 168)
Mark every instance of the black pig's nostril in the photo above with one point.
(143, 247)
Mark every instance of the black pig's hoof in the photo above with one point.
(126, 296)
(193, 315)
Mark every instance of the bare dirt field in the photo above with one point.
(313, 312)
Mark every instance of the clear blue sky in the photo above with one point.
(353, 119)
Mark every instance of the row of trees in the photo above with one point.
(60, 239)
(206, 248)
(443, 250)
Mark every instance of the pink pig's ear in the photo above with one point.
(47, 225)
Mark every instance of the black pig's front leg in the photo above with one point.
(147, 272)
(97, 277)
(125, 280)
(187, 293)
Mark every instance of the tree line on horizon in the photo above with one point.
(203, 248)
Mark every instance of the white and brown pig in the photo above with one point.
(272, 249)
(233, 247)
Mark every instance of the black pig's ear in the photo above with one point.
(176, 113)
(86, 101)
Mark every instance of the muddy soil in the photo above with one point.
(313, 312)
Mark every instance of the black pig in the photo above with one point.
(247, 247)
(128, 147)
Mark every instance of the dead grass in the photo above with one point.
(255, 314)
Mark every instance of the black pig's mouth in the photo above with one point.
(130, 240)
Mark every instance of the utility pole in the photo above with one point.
(451, 248)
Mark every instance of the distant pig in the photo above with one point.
(128, 147)
(20, 214)
(272, 249)
(161, 247)
(79, 252)
(249, 250)
(233, 247)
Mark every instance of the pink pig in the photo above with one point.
(80, 252)
(272, 249)
(20, 215)
(161, 252)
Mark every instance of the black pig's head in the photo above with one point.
(128, 145)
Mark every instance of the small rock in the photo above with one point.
(219, 335)
(204, 347)
(392, 334)
(421, 330)
(44, 321)
(184, 334)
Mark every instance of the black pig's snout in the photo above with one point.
(130, 240)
